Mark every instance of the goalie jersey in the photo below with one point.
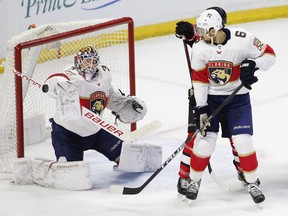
(73, 91)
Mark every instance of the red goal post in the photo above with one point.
(47, 49)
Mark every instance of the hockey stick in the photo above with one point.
(188, 59)
(28, 79)
(216, 180)
(210, 170)
(113, 129)
(136, 190)
(116, 131)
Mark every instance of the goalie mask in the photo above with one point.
(86, 61)
(209, 19)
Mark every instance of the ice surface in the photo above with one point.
(162, 82)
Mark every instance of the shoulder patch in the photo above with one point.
(258, 44)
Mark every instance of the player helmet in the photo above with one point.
(222, 13)
(87, 60)
(209, 19)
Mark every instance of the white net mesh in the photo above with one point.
(38, 62)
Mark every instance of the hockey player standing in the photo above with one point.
(186, 31)
(222, 60)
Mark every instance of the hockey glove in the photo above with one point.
(184, 30)
(129, 109)
(202, 116)
(247, 70)
(137, 107)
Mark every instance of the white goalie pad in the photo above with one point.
(52, 174)
(22, 171)
(138, 157)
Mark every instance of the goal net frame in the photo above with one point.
(18, 65)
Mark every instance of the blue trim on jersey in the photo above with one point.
(228, 35)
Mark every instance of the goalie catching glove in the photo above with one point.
(130, 110)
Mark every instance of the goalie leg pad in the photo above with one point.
(136, 157)
(52, 174)
(61, 175)
(22, 171)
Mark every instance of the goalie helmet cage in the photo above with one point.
(44, 50)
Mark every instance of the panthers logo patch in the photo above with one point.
(97, 102)
(220, 72)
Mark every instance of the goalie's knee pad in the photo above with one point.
(60, 174)
(138, 157)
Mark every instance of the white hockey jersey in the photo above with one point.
(95, 95)
(216, 68)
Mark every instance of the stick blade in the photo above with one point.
(116, 189)
(219, 183)
(144, 130)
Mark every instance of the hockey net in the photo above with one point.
(35, 54)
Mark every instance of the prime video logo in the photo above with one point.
(102, 4)
(39, 7)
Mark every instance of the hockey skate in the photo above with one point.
(243, 181)
(192, 190)
(182, 186)
(255, 192)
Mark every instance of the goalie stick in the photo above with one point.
(113, 129)
(136, 190)
(116, 131)
(210, 170)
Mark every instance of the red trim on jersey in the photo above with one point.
(85, 102)
(269, 50)
(235, 73)
(59, 75)
(202, 75)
